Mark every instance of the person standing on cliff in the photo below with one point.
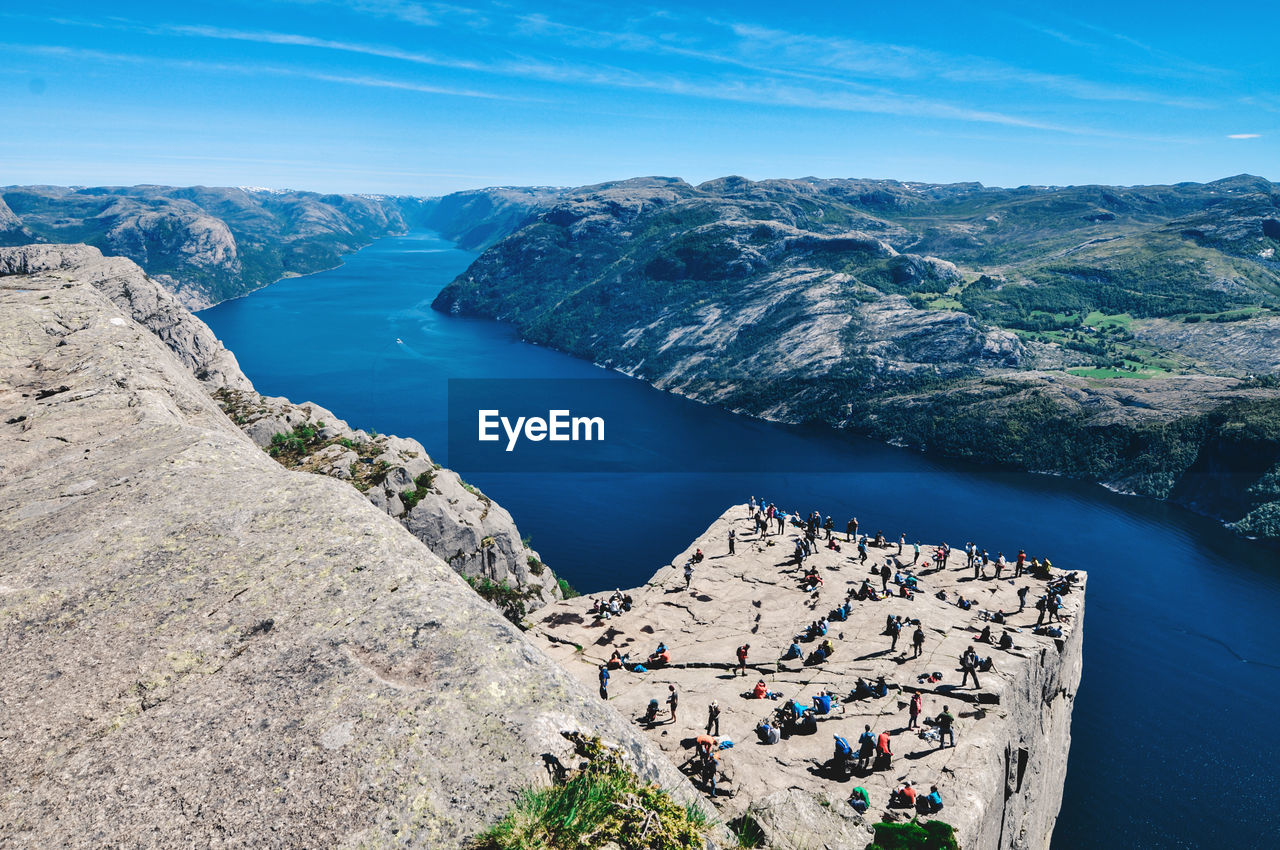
(1022, 597)
(688, 575)
(604, 681)
(866, 747)
(916, 557)
(673, 700)
(946, 728)
(917, 641)
(713, 718)
(914, 708)
(969, 663)
(1020, 564)
(733, 536)
(742, 659)
(885, 575)
(851, 530)
(895, 629)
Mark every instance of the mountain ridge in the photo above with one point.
(1059, 330)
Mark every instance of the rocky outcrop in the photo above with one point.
(476, 537)
(472, 533)
(145, 302)
(203, 648)
(1001, 784)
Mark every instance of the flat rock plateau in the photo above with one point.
(1002, 782)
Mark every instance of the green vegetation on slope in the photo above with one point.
(605, 802)
(912, 835)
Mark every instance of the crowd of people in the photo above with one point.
(896, 577)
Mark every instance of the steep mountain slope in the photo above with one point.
(1032, 326)
(204, 244)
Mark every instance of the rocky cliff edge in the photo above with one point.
(203, 648)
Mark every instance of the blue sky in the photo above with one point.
(423, 98)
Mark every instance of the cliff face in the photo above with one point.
(473, 534)
(1002, 782)
(204, 648)
(1102, 332)
(476, 537)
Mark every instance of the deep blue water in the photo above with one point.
(1175, 725)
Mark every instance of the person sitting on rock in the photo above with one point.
(842, 760)
(860, 800)
(933, 802)
(618, 660)
(793, 651)
(768, 733)
(904, 797)
(1006, 641)
(824, 702)
(861, 690)
(761, 691)
(661, 657)
(651, 712)
(985, 636)
(698, 556)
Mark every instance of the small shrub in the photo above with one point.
(747, 831)
(566, 589)
(535, 566)
(934, 835)
(604, 803)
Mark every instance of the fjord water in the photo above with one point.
(1174, 730)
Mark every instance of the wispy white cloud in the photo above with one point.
(1245, 136)
(366, 81)
(902, 62)
(768, 67)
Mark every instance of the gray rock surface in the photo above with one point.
(202, 648)
(147, 303)
(477, 537)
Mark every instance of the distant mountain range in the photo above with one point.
(1123, 334)
(204, 244)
